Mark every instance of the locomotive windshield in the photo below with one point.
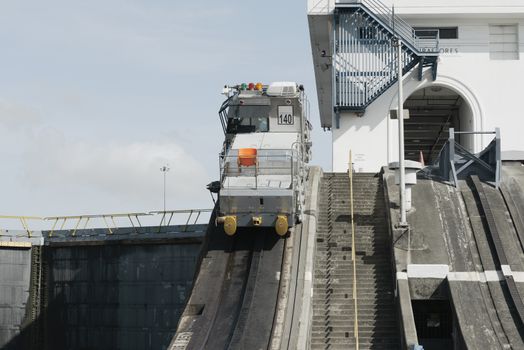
(247, 125)
(244, 119)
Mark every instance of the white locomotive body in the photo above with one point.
(263, 162)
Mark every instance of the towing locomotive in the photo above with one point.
(263, 163)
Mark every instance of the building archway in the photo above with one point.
(433, 110)
(469, 115)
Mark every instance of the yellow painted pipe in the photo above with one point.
(281, 225)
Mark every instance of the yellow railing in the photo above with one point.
(192, 216)
(74, 223)
(353, 249)
(86, 218)
(23, 220)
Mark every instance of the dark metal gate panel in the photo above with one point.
(117, 296)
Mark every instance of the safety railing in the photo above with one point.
(193, 216)
(264, 167)
(443, 129)
(222, 113)
(425, 45)
(71, 226)
(353, 249)
(85, 219)
(23, 220)
(456, 162)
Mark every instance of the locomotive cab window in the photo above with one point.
(246, 119)
(261, 124)
(247, 125)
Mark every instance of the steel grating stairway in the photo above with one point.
(333, 311)
(426, 134)
(364, 57)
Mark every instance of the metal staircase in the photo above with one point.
(364, 53)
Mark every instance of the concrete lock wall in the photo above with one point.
(15, 271)
(117, 296)
(94, 297)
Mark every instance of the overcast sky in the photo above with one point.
(95, 96)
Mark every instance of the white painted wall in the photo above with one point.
(454, 7)
(466, 124)
(433, 7)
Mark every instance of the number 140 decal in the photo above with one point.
(285, 115)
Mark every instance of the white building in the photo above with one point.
(479, 83)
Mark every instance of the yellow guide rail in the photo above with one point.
(353, 249)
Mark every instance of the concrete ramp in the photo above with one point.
(476, 315)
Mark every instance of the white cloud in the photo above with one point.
(118, 172)
(15, 115)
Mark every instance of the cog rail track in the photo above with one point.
(499, 251)
(234, 298)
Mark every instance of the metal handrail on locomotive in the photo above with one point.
(263, 161)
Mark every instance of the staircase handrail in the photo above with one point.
(379, 82)
(396, 24)
(353, 255)
(441, 131)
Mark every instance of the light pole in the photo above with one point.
(164, 170)
(400, 116)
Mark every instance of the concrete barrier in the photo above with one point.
(305, 317)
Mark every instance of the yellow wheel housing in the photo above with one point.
(230, 225)
(281, 225)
